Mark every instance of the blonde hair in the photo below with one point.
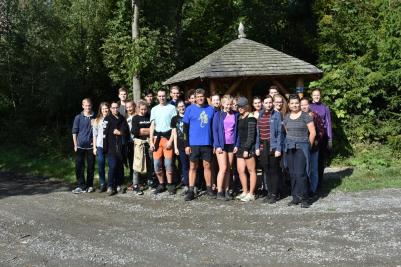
(226, 98)
(99, 113)
(284, 107)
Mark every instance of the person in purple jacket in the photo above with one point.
(225, 144)
(327, 142)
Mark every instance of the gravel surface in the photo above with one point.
(43, 224)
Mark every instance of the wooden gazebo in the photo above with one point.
(238, 66)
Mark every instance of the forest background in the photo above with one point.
(53, 53)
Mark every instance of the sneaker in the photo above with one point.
(221, 196)
(102, 189)
(130, 187)
(210, 193)
(184, 191)
(151, 183)
(111, 191)
(248, 197)
(171, 189)
(119, 189)
(77, 190)
(305, 204)
(190, 195)
(293, 202)
(136, 190)
(160, 189)
(270, 199)
(240, 197)
(90, 190)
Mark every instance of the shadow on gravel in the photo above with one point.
(14, 184)
(333, 179)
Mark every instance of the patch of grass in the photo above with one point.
(375, 167)
(30, 160)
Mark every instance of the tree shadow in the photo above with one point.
(16, 184)
(332, 179)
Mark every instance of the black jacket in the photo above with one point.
(114, 144)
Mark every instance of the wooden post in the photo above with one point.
(136, 83)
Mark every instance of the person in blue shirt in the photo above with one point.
(198, 135)
(82, 137)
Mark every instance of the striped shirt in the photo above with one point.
(264, 126)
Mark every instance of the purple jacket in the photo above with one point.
(324, 113)
(218, 129)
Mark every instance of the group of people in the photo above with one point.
(220, 145)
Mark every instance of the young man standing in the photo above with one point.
(122, 95)
(175, 95)
(82, 138)
(116, 128)
(149, 99)
(273, 90)
(198, 127)
(161, 141)
(130, 107)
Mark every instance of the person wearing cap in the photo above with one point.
(246, 150)
(198, 138)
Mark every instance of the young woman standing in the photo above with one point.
(257, 106)
(225, 144)
(280, 104)
(246, 150)
(98, 126)
(300, 137)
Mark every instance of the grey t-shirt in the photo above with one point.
(297, 130)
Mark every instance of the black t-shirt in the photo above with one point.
(247, 132)
(177, 123)
(139, 122)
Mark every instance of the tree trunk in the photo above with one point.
(136, 83)
(178, 33)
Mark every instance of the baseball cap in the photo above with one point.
(242, 102)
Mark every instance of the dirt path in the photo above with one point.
(43, 224)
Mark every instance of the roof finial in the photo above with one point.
(241, 33)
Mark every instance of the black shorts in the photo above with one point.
(240, 154)
(201, 153)
(229, 148)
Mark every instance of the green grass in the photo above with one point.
(374, 166)
(30, 160)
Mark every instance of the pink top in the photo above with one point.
(229, 123)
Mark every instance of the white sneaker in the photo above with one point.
(77, 190)
(119, 189)
(240, 197)
(90, 190)
(248, 197)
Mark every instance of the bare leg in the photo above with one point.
(229, 173)
(242, 175)
(251, 166)
(193, 166)
(207, 172)
(221, 176)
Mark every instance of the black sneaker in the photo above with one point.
(210, 193)
(160, 189)
(171, 189)
(137, 190)
(189, 196)
(305, 204)
(270, 199)
(221, 196)
(293, 202)
(102, 189)
(111, 191)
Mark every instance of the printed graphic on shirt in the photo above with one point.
(203, 119)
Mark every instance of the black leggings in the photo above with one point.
(271, 169)
(297, 168)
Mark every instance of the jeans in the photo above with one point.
(130, 157)
(314, 173)
(116, 170)
(271, 169)
(101, 165)
(299, 179)
(184, 162)
(81, 154)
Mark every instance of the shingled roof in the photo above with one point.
(245, 58)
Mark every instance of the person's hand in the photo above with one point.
(177, 152)
(75, 148)
(188, 150)
(235, 150)
(246, 154)
(219, 150)
(94, 150)
(330, 145)
(152, 147)
(116, 132)
(257, 152)
(277, 154)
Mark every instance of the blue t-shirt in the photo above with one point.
(200, 124)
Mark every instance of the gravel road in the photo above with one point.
(43, 224)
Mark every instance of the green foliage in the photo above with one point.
(360, 53)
